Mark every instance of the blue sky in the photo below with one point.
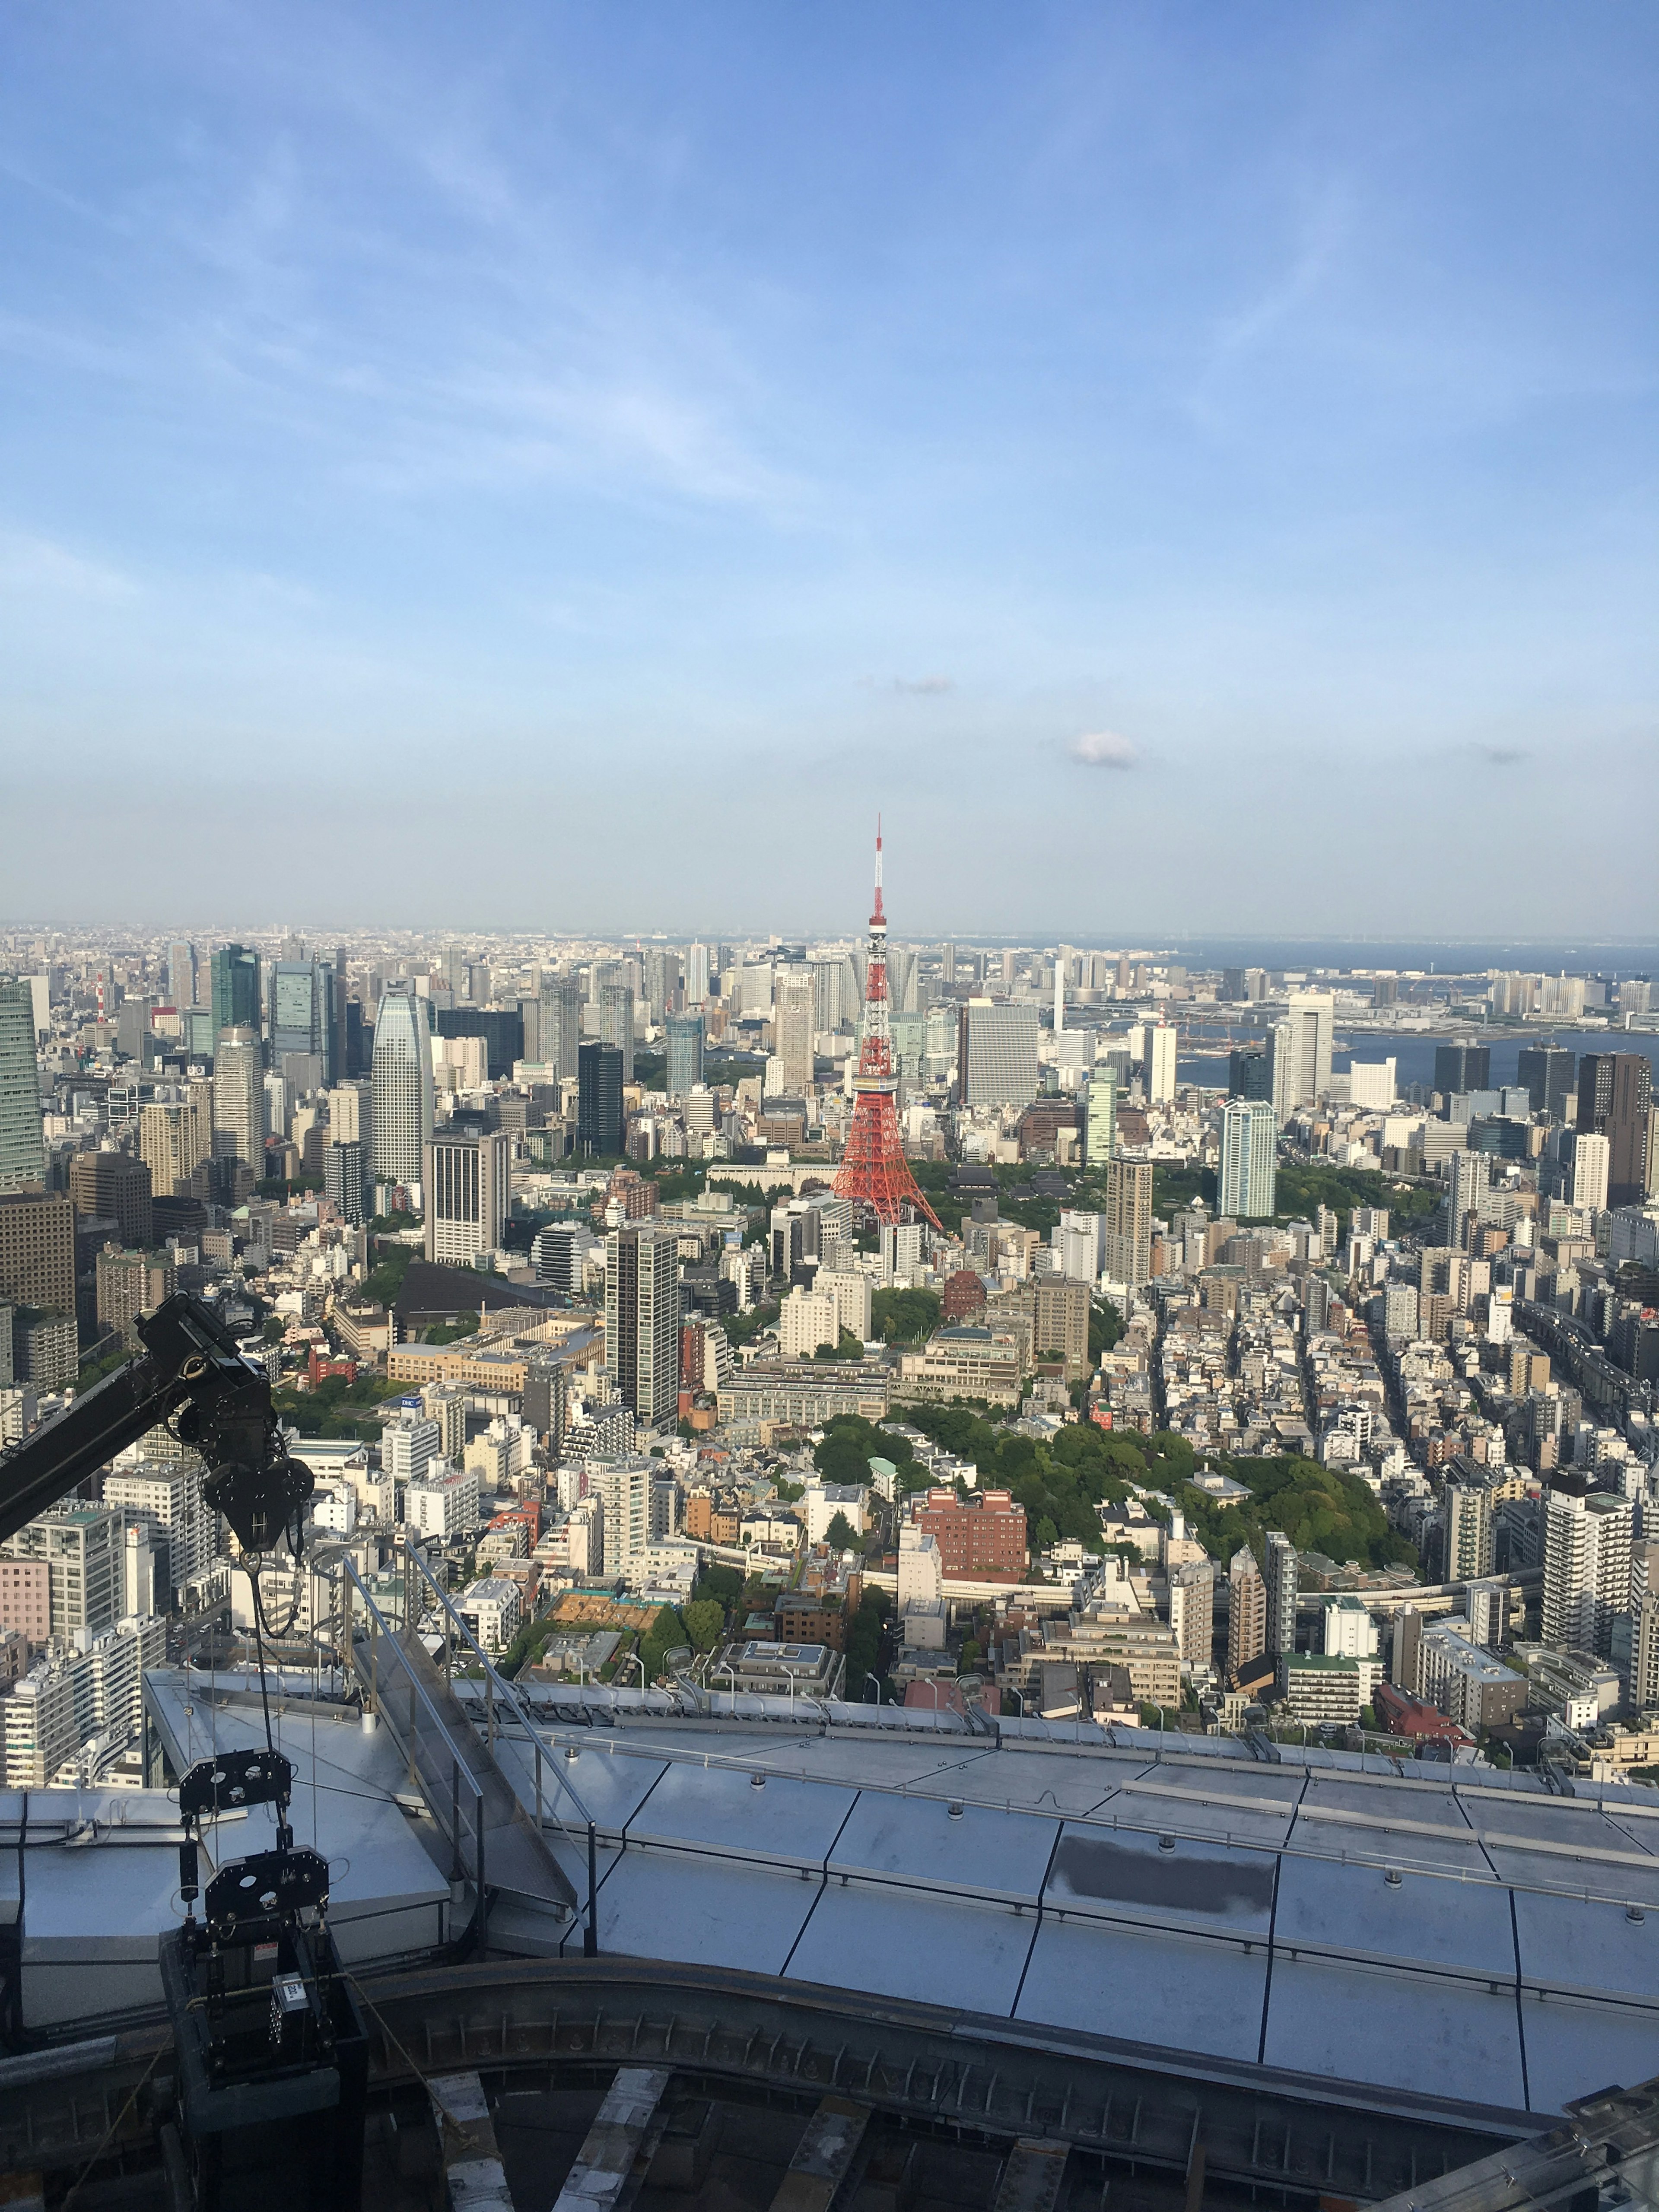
(1193, 467)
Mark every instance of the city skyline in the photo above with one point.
(1166, 461)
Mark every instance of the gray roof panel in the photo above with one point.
(1171, 1990)
(1125, 1874)
(1427, 2033)
(974, 1849)
(897, 1944)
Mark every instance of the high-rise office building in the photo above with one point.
(181, 975)
(683, 1071)
(1247, 1611)
(37, 1251)
(464, 1187)
(114, 1186)
(301, 1013)
(560, 1029)
(1279, 1590)
(1128, 1257)
(1548, 1073)
(996, 1054)
(1615, 1095)
(1310, 1017)
(662, 983)
(1250, 1072)
(238, 1099)
(616, 1002)
(697, 973)
(643, 1322)
(345, 1175)
(234, 973)
(401, 1088)
(83, 1546)
(794, 1013)
(1588, 1535)
(1461, 1067)
(1250, 1159)
(1100, 1117)
(22, 1150)
(351, 1114)
(599, 1127)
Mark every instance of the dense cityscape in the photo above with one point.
(1286, 1399)
(828, 1166)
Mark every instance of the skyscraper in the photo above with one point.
(1129, 1222)
(697, 973)
(464, 1186)
(1460, 1067)
(238, 1099)
(234, 988)
(1591, 1155)
(172, 1136)
(642, 1321)
(684, 1070)
(1547, 1071)
(794, 1013)
(402, 1083)
(1161, 1063)
(1615, 1092)
(181, 975)
(303, 1013)
(1100, 1117)
(617, 1023)
(114, 1186)
(561, 1025)
(1250, 1072)
(1249, 1163)
(1469, 1176)
(599, 1100)
(1310, 1016)
(22, 1148)
(996, 1054)
(345, 1171)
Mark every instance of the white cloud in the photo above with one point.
(1104, 749)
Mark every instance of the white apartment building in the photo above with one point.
(853, 1293)
(621, 1489)
(1587, 1564)
(410, 1444)
(170, 1498)
(444, 1503)
(806, 1319)
(491, 1608)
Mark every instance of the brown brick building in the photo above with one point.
(985, 1536)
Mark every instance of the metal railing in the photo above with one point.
(397, 1695)
(582, 1835)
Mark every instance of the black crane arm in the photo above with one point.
(190, 1374)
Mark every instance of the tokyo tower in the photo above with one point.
(873, 1168)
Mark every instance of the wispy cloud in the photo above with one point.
(1104, 749)
(32, 564)
(1502, 755)
(925, 686)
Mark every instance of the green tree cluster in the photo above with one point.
(385, 1278)
(336, 1407)
(446, 1332)
(850, 1444)
(864, 1636)
(1320, 1509)
(849, 1347)
(741, 1328)
(904, 1317)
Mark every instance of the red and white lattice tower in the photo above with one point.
(873, 1168)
